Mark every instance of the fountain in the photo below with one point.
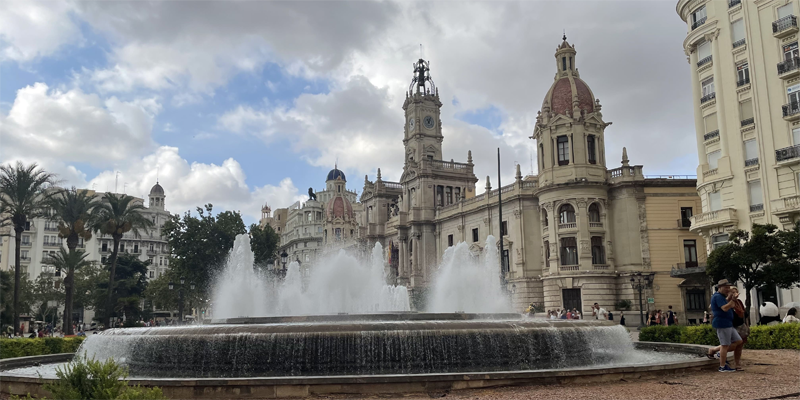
(342, 329)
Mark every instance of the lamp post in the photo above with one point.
(284, 258)
(641, 282)
(180, 296)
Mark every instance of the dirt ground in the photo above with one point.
(768, 374)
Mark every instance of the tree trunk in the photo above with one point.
(747, 303)
(72, 244)
(17, 267)
(112, 270)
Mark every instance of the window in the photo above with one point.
(104, 246)
(563, 63)
(305, 244)
(591, 148)
(122, 247)
(103, 260)
(338, 233)
(785, 11)
(152, 274)
(690, 253)
(598, 251)
(449, 240)
(458, 194)
(569, 251)
(594, 213)
(790, 51)
(794, 98)
(714, 201)
(504, 228)
(796, 136)
(475, 234)
(699, 16)
(713, 159)
(546, 250)
(310, 216)
(695, 300)
(136, 248)
(708, 87)
(26, 239)
(563, 150)
(440, 195)
(505, 260)
(566, 214)
(756, 196)
(23, 254)
(546, 219)
(746, 112)
(743, 74)
(449, 194)
(686, 215)
(737, 29)
(751, 150)
(703, 50)
(710, 122)
(718, 240)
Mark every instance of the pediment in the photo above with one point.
(560, 119)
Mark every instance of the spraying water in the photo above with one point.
(467, 283)
(239, 290)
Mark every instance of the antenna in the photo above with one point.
(116, 181)
(125, 187)
(158, 169)
(420, 50)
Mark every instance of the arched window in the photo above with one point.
(590, 147)
(563, 150)
(566, 214)
(545, 217)
(598, 251)
(569, 251)
(594, 213)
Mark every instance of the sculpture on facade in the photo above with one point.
(311, 194)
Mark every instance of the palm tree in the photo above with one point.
(23, 195)
(115, 216)
(72, 210)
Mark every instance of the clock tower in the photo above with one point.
(423, 127)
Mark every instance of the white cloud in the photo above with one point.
(31, 29)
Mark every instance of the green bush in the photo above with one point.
(25, 347)
(782, 336)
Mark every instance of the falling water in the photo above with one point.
(239, 291)
(469, 283)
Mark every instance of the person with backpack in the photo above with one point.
(671, 318)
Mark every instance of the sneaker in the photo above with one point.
(716, 355)
(726, 368)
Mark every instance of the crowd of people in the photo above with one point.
(657, 317)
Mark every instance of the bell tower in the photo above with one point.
(423, 127)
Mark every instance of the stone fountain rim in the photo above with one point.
(382, 316)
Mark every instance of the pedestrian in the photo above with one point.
(599, 313)
(671, 319)
(622, 318)
(651, 319)
(705, 317)
(658, 317)
(722, 304)
(791, 316)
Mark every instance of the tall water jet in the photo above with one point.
(239, 291)
(468, 283)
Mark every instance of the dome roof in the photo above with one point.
(336, 174)
(564, 91)
(157, 190)
(339, 207)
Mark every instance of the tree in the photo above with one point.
(68, 261)
(72, 210)
(26, 298)
(115, 216)
(48, 294)
(129, 289)
(200, 245)
(264, 243)
(23, 195)
(755, 258)
(787, 275)
(88, 281)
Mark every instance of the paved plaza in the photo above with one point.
(769, 374)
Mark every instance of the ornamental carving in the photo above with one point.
(581, 203)
(584, 246)
(486, 220)
(517, 214)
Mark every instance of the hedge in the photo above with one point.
(24, 347)
(762, 337)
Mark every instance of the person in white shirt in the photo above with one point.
(791, 316)
(599, 313)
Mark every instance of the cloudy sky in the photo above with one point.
(245, 103)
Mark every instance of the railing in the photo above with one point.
(710, 172)
(787, 153)
(600, 267)
(704, 61)
(52, 244)
(684, 223)
(25, 244)
(791, 109)
(742, 82)
(718, 216)
(24, 258)
(756, 207)
(789, 21)
(748, 121)
(51, 228)
(529, 184)
(569, 225)
(788, 65)
(670, 176)
(699, 22)
(569, 267)
(392, 185)
(441, 164)
(711, 135)
(751, 162)
(151, 252)
(595, 224)
(791, 202)
(734, 3)
(739, 43)
(708, 97)
(616, 173)
(691, 267)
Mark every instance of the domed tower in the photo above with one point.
(573, 191)
(340, 227)
(336, 181)
(157, 197)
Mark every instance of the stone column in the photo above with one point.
(715, 59)
(403, 258)
(699, 126)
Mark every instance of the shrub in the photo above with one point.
(25, 347)
(624, 305)
(661, 334)
(782, 336)
(699, 334)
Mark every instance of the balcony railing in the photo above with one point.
(699, 22)
(714, 218)
(791, 109)
(787, 153)
(711, 135)
(739, 43)
(51, 228)
(756, 207)
(751, 162)
(569, 267)
(600, 267)
(788, 65)
(749, 121)
(691, 267)
(787, 22)
(708, 97)
(25, 244)
(595, 224)
(742, 82)
(570, 225)
(734, 3)
(704, 61)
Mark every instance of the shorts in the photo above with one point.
(727, 336)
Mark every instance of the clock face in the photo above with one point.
(428, 121)
(411, 124)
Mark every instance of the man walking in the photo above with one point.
(722, 304)
(599, 313)
(671, 317)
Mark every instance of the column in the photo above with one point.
(699, 126)
(723, 131)
(403, 258)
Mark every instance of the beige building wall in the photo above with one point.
(748, 125)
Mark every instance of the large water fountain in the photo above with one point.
(341, 328)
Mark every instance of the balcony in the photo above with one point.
(25, 244)
(751, 162)
(787, 153)
(151, 252)
(567, 226)
(567, 268)
(50, 228)
(684, 269)
(749, 121)
(784, 27)
(600, 267)
(756, 207)
(739, 43)
(734, 3)
(742, 82)
(708, 97)
(711, 135)
(703, 61)
(791, 111)
(725, 216)
(789, 68)
(595, 224)
(702, 21)
(684, 223)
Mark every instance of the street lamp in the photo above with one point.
(641, 282)
(182, 281)
(284, 258)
